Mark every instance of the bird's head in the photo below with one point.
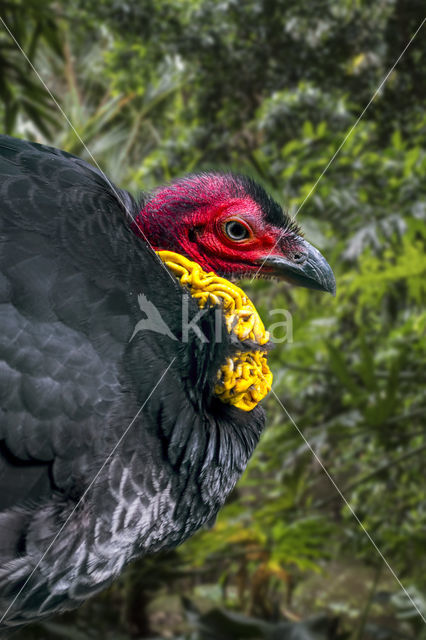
(228, 224)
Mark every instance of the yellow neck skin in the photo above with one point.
(245, 379)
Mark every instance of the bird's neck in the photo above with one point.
(164, 232)
(161, 230)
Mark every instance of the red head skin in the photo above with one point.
(189, 216)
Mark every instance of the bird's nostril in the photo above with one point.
(299, 257)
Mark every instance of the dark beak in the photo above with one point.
(304, 267)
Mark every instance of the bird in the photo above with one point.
(131, 364)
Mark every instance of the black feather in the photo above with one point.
(72, 382)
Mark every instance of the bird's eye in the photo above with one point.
(236, 230)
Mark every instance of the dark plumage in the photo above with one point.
(72, 381)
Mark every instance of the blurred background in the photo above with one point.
(159, 88)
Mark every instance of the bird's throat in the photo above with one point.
(244, 379)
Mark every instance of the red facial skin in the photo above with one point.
(189, 217)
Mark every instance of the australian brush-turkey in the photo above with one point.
(129, 372)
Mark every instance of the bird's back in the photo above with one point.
(111, 442)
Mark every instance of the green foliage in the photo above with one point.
(20, 90)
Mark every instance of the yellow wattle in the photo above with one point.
(245, 378)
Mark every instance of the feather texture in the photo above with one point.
(72, 381)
